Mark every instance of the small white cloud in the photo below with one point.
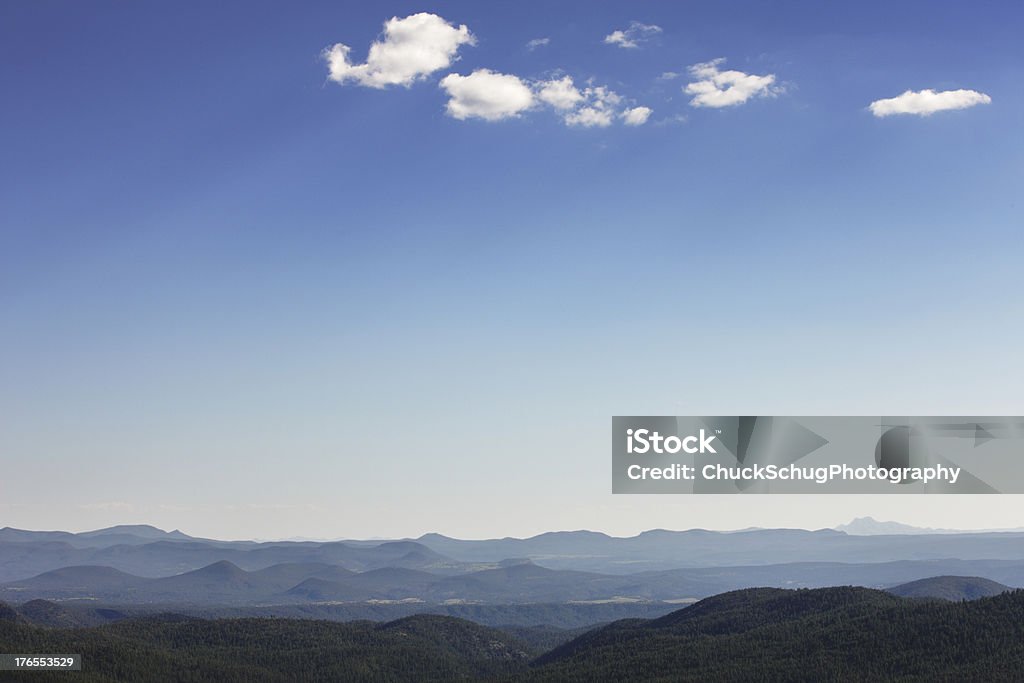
(716, 88)
(637, 116)
(669, 76)
(927, 102)
(537, 42)
(590, 117)
(559, 93)
(486, 95)
(411, 49)
(633, 36)
(599, 110)
(678, 119)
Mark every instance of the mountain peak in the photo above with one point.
(869, 526)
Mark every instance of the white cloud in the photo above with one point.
(678, 119)
(494, 96)
(559, 93)
(716, 88)
(634, 35)
(486, 95)
(590, 117)
(637, 116)
(411, 49)
(927, 102)
(599, 109)
(669, 76)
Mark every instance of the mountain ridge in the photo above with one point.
(950, 588)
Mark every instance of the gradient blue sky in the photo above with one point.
(243, 300)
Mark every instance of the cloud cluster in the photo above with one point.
(592, 107)
(599, 108)
(411, 49)
(416, 46)
(492, 96)
(927, 102)
(716, 88)
(633, 36)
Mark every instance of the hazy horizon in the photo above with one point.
(1004, 523)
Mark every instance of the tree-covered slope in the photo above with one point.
(804, 635)
(419, 648)
(950, 588)
(757, 634)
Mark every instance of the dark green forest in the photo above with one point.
(755, 634)
(171, 648)
(805, 635)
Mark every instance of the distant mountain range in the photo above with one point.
(311, 583)
(661, 549)
(26, 553)
(868, 526)
(141, 565)
(950, 588)
(128, 534)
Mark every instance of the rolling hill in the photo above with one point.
(418, 648)
(950, 588)
(841, 633)
(821, 634)
(223, 583)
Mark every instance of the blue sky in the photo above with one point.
(244, 299)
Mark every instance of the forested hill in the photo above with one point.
(804, 635)
(773, 634)
(950, 588)
(172, 648)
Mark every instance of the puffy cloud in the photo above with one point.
(486, 95)
(716, 88)
(634, 35)
(590, 117)
(927, 102)
(637, 116)
(494, 96)
(410, 50)
(598, 110)
(413, 47)
(559, 93)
